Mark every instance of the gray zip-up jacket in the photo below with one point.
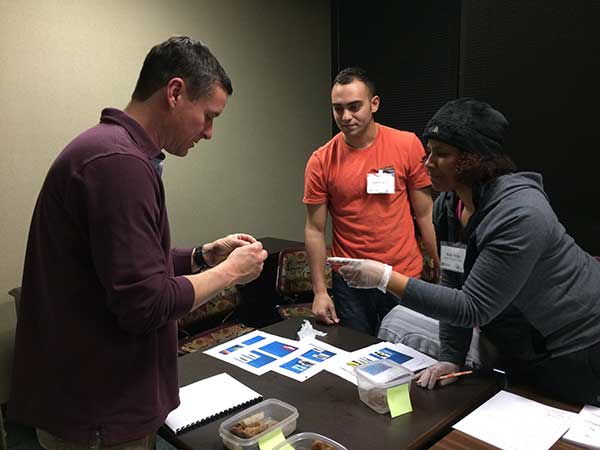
(529, 287)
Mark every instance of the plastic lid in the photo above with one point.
(304, 441)
(384, 371)
(275, 413)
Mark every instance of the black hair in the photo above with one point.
(349, 74)
(184, 57)
(478, 168)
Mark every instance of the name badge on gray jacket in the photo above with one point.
(453, 256)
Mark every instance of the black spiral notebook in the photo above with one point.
(208, 399)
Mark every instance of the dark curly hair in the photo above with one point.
(477, 168)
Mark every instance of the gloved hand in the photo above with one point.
(217, 251)
(429, 377)
(366, 274)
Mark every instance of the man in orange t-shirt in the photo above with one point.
(368, 177)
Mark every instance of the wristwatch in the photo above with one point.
(198, 256)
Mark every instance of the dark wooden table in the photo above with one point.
(330, 406)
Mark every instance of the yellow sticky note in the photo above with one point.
(398, 399)
(271, 440)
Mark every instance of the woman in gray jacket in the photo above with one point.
(509, 269)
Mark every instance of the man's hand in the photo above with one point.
(364, 273)
(217, 251)
(245, 262)
(429, 377)
(324, 309)
(431, 269)
(436, 270)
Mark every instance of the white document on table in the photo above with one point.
(512, 422)
(585, 430)
(314, 356)
(400, 353)
(257, 352)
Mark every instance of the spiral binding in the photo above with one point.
(218, 415)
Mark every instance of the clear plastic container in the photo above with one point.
(310, 441)
(376, 377)
(269, 414)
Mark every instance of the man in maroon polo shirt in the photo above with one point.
(96, 344)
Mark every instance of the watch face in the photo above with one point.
(199, 258)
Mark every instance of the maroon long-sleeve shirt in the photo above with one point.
(96, 340)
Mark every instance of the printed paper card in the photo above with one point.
(257, 352)
(400, 353)
(312, 358)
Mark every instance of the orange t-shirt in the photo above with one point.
(373, 226)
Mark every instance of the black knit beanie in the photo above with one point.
(469, 125)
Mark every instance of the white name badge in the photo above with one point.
(453, 257)
(380, 183)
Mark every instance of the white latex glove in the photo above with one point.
(366, 274)
(217, 251)
(429, 377)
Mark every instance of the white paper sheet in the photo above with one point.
(314, 357)
(400, 353)
(585, 430)
(512, 422)
(257, 352)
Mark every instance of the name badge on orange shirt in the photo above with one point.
(382, 182)
(452, 256)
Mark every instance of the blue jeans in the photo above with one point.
(361, 309)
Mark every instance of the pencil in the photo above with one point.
(455, 374)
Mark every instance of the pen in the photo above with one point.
(454, 374)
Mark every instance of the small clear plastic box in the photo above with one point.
(276, 413)
(304, 441)
(376, 377)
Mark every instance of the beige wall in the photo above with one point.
(62, 61)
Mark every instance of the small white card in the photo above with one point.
(380, 183)
(453, 257)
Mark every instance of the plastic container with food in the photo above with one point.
(244, 430)
(309, 441)
(376, 377)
